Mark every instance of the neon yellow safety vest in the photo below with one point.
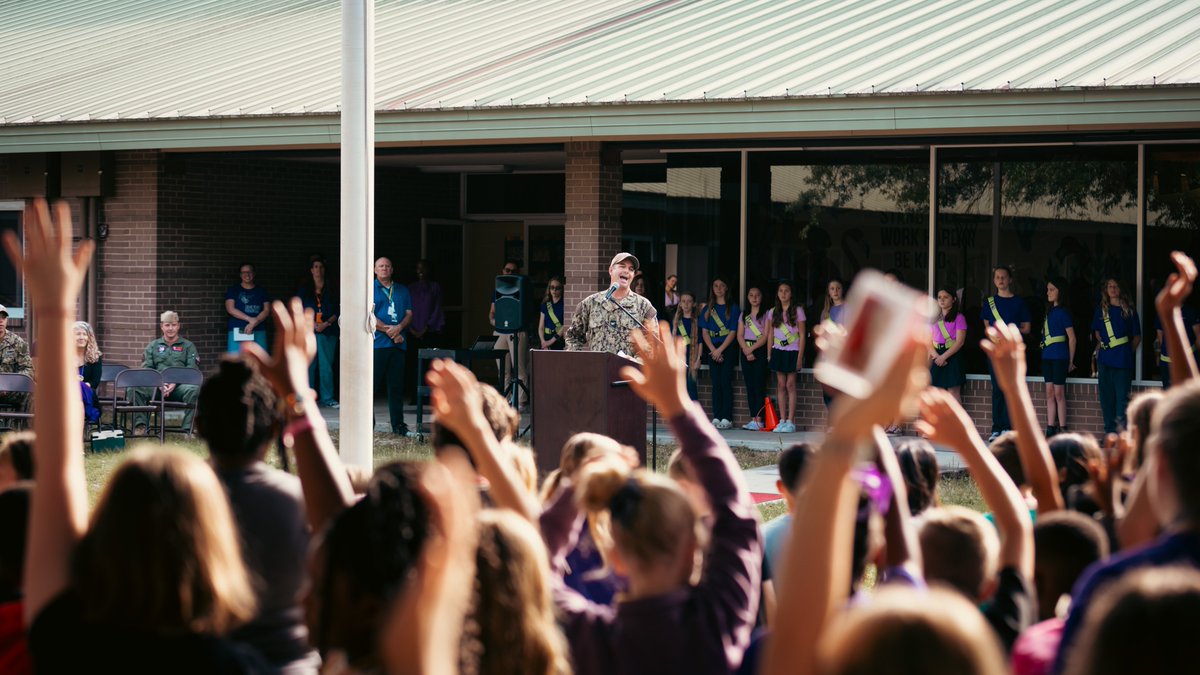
(753, 328)
(722, 331)
(687, 339)
(1047, 339)
(554, 318)
(789, 336)
(1113, 340)
(945, 333)
(995, 312)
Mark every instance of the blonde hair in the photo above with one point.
(91, 351)
(650, 518)
(902, 631)
(188, 576)
(574, 452)
(512, 627)
(959, 548)
(525, 464)
(168, 317)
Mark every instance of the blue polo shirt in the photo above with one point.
(729, 315)
(1059, 320)
(390, 306)
(1012, 310)
(1120, 356)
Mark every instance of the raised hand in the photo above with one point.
(943, 420)
(455, 399)
(295, 347)
(852, 419)
(1179, 284)
(662, 377)
(53, 276)
(1005, 348)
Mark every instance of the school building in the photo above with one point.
(752, 139)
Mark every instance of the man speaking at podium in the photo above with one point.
(603, 321)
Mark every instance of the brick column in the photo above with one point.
(593, 231)
(127, 310)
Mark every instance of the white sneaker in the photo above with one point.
(726, 424)
(716, 423)
(786, 427)
(781, 427)
(752, 425)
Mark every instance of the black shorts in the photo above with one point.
(783, 361)
(1055, 371)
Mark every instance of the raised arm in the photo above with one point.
(903, 548)
(944, 422)
(1006, 350)
(1169, 304)
(58, 512)
(323, 477)
(814, 579)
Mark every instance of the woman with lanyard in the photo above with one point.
(1118, 331)
(1006, 307)
(1058, 355)
(316, 295)
(685, 325)
(752, 338)
(949, 334)
(718, 322)
(785, 351)
(550, 325)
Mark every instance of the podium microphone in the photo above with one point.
(611, 289)
(608, 297)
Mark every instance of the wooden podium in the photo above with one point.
(582, 391)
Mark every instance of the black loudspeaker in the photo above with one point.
(513, 303)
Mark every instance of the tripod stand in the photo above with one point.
(515, 386)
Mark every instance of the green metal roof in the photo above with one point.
(91, 74)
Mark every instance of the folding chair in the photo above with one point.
(138, 377)
(108, 374)
(180, 376)
(16, 383)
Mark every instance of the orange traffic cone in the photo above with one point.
(771, 416)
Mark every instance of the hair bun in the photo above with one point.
(599, 481)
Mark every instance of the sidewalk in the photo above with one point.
(760, 480)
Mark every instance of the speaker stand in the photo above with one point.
(515, 385)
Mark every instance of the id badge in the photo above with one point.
(392, 311)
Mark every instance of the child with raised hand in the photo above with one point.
(1010, 598)
(1005, 349)
(1169, 305)
(664, 623)
(820, 634)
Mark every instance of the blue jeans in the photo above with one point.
(260, 338)
(320, 371)
(1114, 396)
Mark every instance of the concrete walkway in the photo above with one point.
(761, 479)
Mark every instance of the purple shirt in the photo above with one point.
(698, 629)
(426, 297)
(781, 335)
(760, 323)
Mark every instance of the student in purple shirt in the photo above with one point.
(665, 623)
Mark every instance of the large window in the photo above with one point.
(1172, 224)
(12, 293)
(818, 216)
(1068, 212)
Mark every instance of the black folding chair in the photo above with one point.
(15, 383)
(178, 376)
(108, 374)
(122, 407)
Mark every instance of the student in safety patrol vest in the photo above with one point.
(1118, 332)
(168, 351)
(1191, 327)
(1058, 355)
(785, 351)
(1007, 307)
(550, 321)
(752, 338)
(949, 336)
(718, 325)
(685, 325)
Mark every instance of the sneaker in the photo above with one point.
(139, 430)
(726, 424)
(785, 427)
(1051, 431)
(752, 425)
(716, 422)
(332, 404)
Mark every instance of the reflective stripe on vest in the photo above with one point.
(722, 331)
(753, 328)
(789, 336)
(687, 339)
(1047, 339)
(946, 339)
(995, 312)
(1113, 340)
(554, 318)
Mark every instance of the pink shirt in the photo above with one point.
(953, 327)
(780, 335)
(761, 324)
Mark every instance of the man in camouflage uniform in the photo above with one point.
(168, 351)
(14, 358)
(599, 325)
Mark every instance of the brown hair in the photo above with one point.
(919, 466)
(902, 630)
(17, 448)
(1175, 431)
(574, 452)
(651, 518)
(1139, 412)
(512, 627)
(959, 547)
(1004, 449)
(1142, 623)
(1064, 544)
(501, 417)
(189, 575)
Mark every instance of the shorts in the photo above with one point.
(1055, 371)
(783, 361)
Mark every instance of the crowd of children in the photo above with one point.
(461, 565)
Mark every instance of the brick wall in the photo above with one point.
(1083, 403)
(593, 223)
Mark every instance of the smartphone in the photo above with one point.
(879, 313)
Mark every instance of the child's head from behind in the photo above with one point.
(188, 575)
(960, 548)
(906, 632)
(501, 417)
(363, 560)
(16, 458)
(1065, 543)
(919, 466)
(1071, 453)
(1139, 413)
(575, 452)
(1004, 449)
(653, 524)
(513, 607)
(237, 412)
(1143, 623)
(1174, 478)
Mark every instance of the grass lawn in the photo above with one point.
(953, 489)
